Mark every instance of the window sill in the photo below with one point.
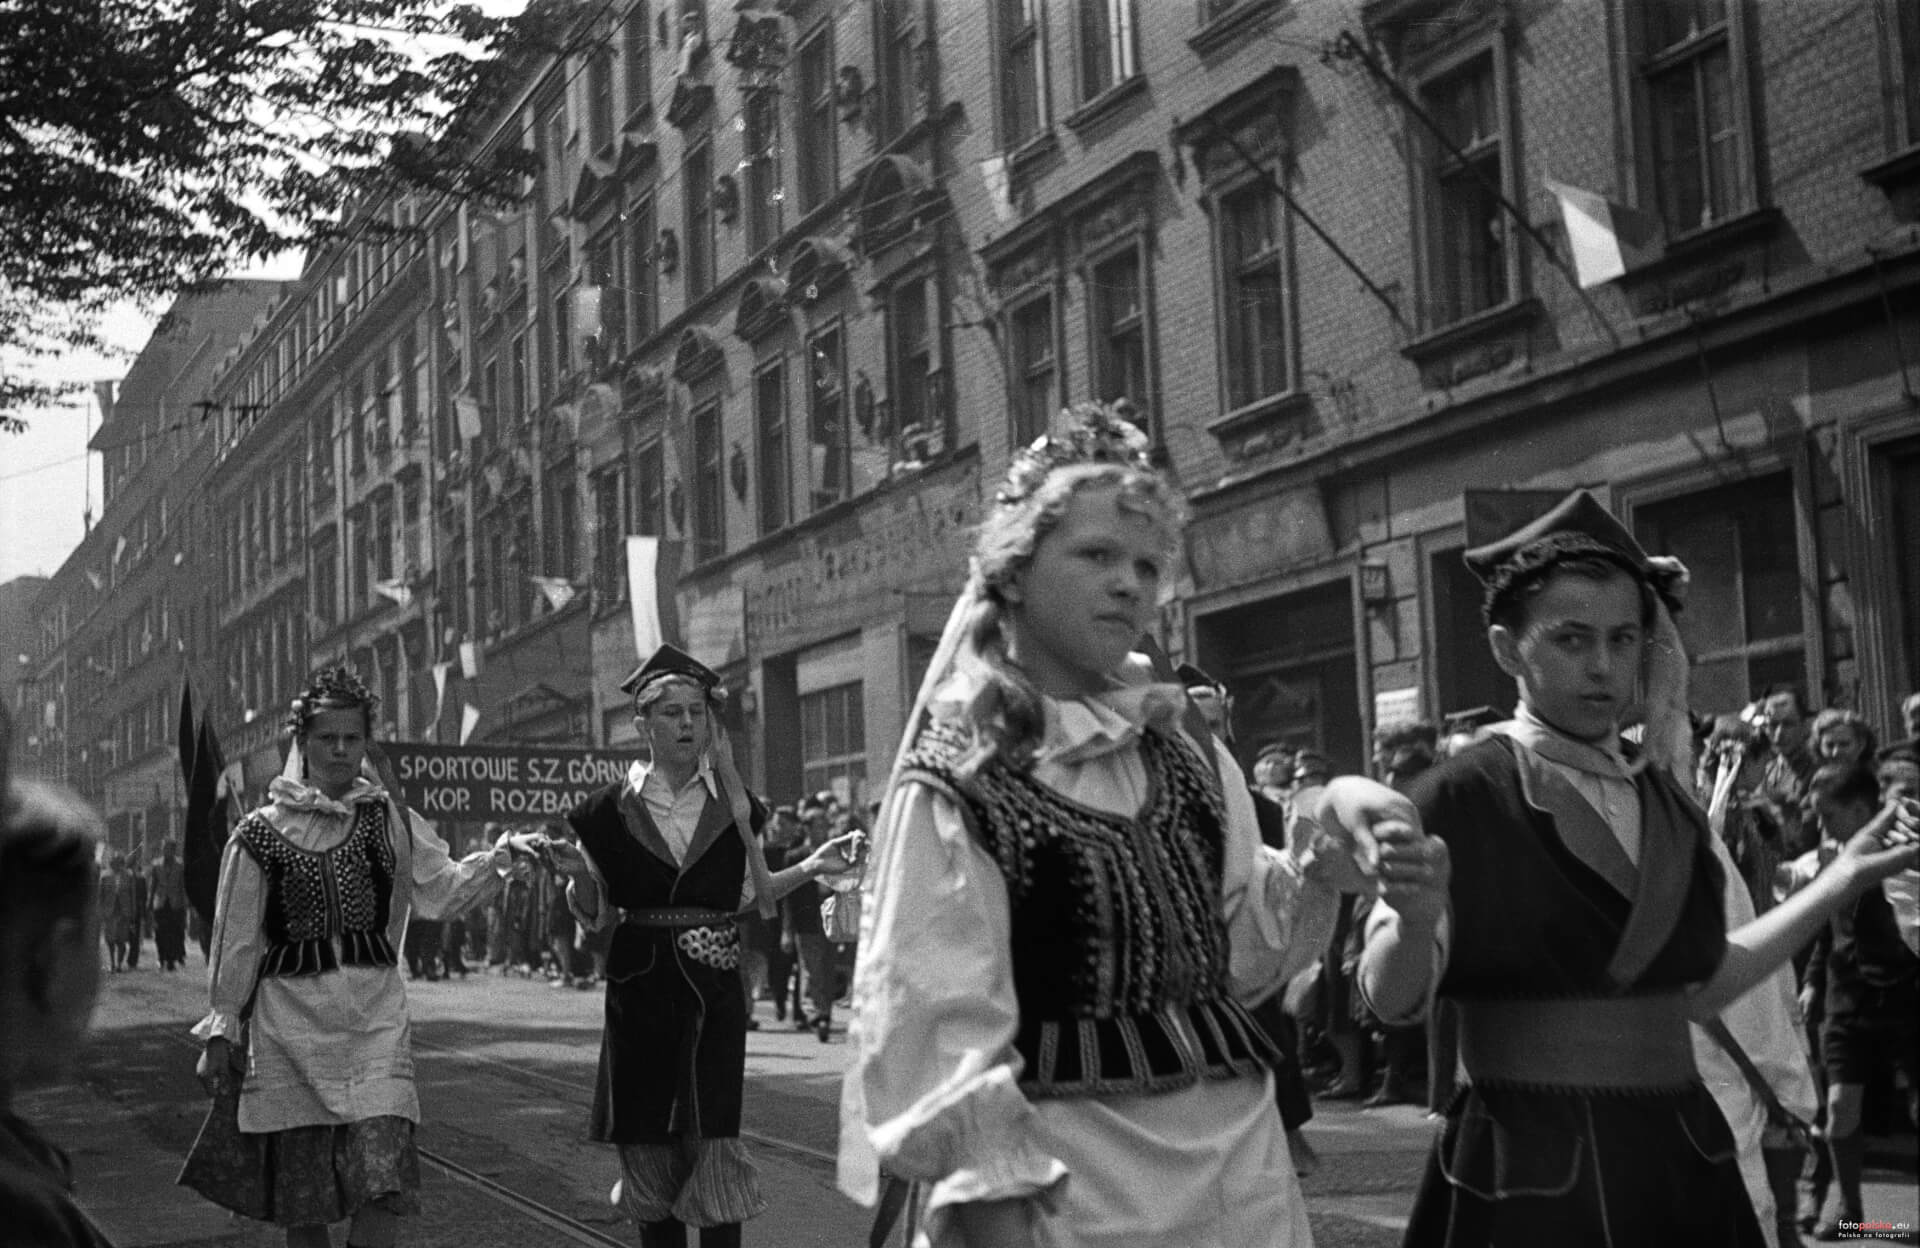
(1228, 27)
(1473, 330)
(1896, 174)
(1106, 103)
(1031, 152)
(1748, 227)
(1261, 426)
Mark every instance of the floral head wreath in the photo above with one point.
(334, 688)
(1094, 434)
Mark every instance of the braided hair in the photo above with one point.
(335, 687)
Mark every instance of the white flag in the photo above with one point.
(120, 548)
(470, 660)
(466, 409)
(1606, 239)
(558, 590)
(643, 562)
(399, 591)
(469, 719)
(993, 171)
(440, 671)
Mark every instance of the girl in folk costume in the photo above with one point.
(1588, 925)
(670, 856)
(1070, 906)
(309, 1022)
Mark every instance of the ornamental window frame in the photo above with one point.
(1444, 294)
(1643, 68)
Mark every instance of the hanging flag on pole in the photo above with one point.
(653, 571)
(397, 590)
(470, 660)
(469, 719)
(1606, 238)
(558, 590)
(440, 671)
(466, 410)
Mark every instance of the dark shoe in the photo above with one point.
(823, 1027)
(802, 1023)
(1389, 1094)
(753, 1024)
(1343, 1090)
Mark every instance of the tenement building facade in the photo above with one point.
(790, 281)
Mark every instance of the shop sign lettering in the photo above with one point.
(894, 547)
(503, 783)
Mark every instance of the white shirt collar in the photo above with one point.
(641, 771)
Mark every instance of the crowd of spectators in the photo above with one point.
(1785, 788)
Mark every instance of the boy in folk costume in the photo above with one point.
(670, 855)
(1588, 924)
(1069, 905)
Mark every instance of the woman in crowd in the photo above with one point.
(1069, 904)
(49, 977)
(308, 1021)
(1844, 737)
(670, 855)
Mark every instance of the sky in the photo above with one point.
(48, 478)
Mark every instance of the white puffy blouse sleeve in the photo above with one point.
(931, 1094)
(1279, 919)
(443, 885)
(237, 943)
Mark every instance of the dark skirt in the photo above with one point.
(307, 1176)
(1635, 1170)
(673, 1055)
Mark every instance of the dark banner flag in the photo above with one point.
(506, 784)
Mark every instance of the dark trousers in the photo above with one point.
(170, 936)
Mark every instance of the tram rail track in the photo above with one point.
(521, 1074)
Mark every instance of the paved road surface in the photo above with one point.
(505, 1068)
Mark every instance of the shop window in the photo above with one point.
(833, 743)
(1469, 257)
(1036, 393)
(1743, 628)
(1692, 92)
(816, 127)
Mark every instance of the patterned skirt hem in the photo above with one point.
(309, 1176)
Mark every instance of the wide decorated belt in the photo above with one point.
(1593, 1043)
(675, 916)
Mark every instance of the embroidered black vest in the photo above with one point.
(1119, 941)
(312, 898)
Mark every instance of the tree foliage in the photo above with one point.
(147, 147)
